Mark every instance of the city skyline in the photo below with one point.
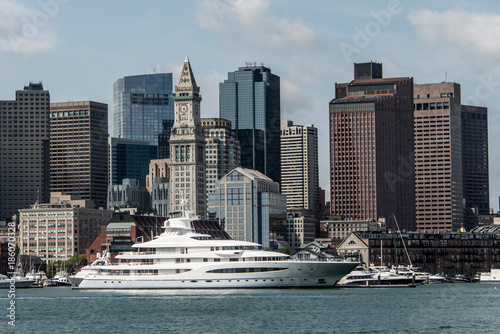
(309, 46)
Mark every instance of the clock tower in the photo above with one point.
(187, 147)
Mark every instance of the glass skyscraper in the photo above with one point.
(129, 159)
(250, 99)
(140, 104)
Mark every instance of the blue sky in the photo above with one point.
(78, 49)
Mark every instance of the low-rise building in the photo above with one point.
(60, 229)
(340, 229)
(315, 251)
(354, 248)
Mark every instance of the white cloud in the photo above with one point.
(27, 29)
(478, 33)
(250, 23)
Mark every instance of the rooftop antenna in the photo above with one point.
(445, 76)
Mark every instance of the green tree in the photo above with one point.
(66, 266)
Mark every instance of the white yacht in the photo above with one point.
(490, 277)
(180, 258)
(18, 281)
(375, 276)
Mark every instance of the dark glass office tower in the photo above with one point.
(140, 104)
(129, 159)
(164, 138)
(475, 169)
(250, 99)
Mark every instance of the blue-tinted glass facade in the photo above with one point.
(250, 99)
(249, 209)
(140, 104)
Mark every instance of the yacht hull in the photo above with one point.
(19, 284)
(281, 274)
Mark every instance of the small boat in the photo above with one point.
(39, 277)
(419, 277)
(17, 281)
(61, 279)
(434, 279)
(461, 279)
(490, 277)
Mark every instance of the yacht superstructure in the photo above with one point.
(180, 258)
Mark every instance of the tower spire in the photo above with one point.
(187, 83)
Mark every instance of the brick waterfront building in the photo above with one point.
(450, 253)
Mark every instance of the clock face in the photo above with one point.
(184, 108)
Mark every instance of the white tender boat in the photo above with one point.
(180, 258)
(492, 277)
(61, 279)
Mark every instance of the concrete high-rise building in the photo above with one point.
(79, 150)
(187, 147)
(451, 159)
(475, 167)
(222, 150)
(129, 159)
(60, 229)
(438, 157)
(250, 100)
(140, 105)
(248, 204)
(24, 150)
(371, 150)
(299, 166)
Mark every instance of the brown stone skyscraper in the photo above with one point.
(438, 157)
(371, 148)
(79, 150)
(451, 159)
(24, 150)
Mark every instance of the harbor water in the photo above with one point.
(440, 308)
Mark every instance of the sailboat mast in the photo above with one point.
(401, 236)
(381, 252)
